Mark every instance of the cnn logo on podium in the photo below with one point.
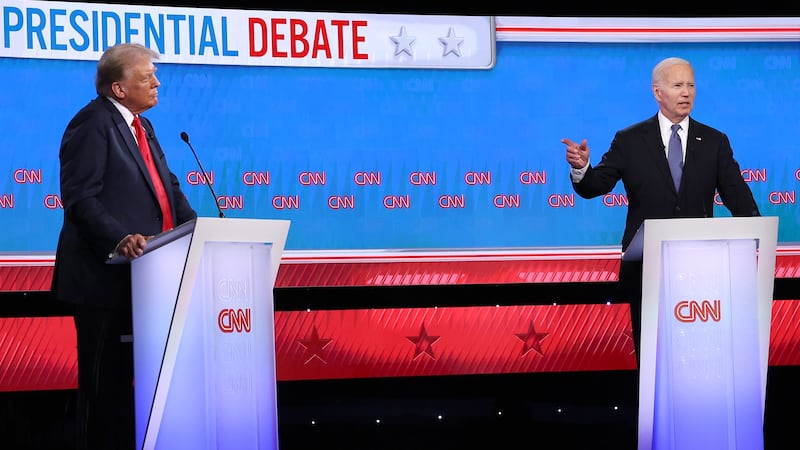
(688, 311)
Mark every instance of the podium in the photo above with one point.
(203, 335)
(706, 310)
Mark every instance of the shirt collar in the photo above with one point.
(126, 113)
(666, 125)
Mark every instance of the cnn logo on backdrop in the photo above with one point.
(689, 311)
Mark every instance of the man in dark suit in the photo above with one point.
(638, 156)
(114, 200)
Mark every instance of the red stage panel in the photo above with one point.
(39, 353)
(452, 341)
(784, 339)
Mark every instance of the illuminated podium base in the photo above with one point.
(203, 324)
(706, 311)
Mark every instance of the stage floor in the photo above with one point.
(576, 410)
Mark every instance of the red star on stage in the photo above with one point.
(628, 333)
(531, 341)
(423, 343)
(314, 346)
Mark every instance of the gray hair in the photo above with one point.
(661, 67)
(116, 61)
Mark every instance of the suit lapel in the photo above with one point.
(131, 146)
(694, 141)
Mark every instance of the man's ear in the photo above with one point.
(117, 90)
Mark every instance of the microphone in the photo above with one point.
(185, 138)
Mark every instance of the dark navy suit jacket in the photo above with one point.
(107, 194)
(637, 157)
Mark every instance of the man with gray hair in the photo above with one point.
(670, 165)
(117, 191)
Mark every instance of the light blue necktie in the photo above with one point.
(675, 156)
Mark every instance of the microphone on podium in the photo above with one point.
(185, 138)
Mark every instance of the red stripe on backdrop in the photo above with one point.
(634, 29)
(400, 271)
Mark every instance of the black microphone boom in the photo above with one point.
(185, 138)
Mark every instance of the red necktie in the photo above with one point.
(161, 194)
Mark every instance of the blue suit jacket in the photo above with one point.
(107, 194)
(637, 157)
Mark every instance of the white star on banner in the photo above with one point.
(403, 43)
(452, 44)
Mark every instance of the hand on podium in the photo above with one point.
(131, 246)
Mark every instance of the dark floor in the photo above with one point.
(575, 410)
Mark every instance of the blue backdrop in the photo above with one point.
(334, 150)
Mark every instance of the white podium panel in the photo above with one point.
(708, 380)
(706, 310)
(204, 336)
